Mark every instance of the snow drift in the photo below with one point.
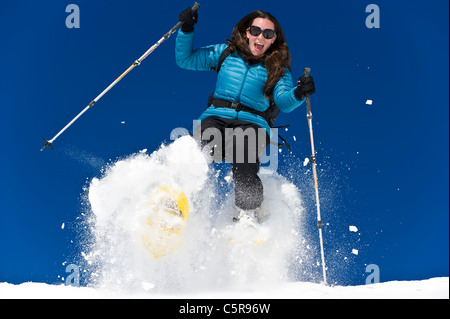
(115, 258)
(435, 288)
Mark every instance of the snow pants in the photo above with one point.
(242, 144)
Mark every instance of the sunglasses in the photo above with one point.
(267, 33)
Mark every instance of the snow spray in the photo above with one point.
(115, 258)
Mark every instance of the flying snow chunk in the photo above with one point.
(62, 226)
(306, 161)
(353, 229)
(123, 122)
(228, 179)
(355, 252)
(369, 102)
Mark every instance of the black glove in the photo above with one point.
(189, 18)
(305, 86)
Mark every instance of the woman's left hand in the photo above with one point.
(305, 86)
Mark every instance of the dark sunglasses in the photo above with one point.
(267, 33)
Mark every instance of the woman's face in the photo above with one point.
(258, 44)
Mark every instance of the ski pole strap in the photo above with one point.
(285, 142)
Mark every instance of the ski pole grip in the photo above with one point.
(306, 71)
(196, 6)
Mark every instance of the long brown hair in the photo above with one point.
(277, 56)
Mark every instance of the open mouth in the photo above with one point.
(259, 47)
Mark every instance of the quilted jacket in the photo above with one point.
(237, 81)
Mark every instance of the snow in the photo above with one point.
(228, 179)
(114, 263)
(369, 102)
(305, 161)
(114, 256)
(434, 288)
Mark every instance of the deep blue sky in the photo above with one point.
(385, 166)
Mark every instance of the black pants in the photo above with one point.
(242, 144)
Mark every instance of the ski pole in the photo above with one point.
(135, 63)
(316, 185)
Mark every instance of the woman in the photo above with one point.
(256, 73)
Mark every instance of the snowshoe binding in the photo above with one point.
(166, 216)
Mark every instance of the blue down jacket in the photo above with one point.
(237, 81)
